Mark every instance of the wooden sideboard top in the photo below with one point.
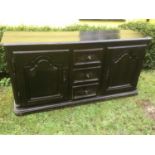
(46, 38)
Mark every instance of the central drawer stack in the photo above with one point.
(87, 65)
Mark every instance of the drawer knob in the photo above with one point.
(89, 57)
(86, 91)
(88, 75)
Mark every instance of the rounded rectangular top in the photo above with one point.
(70, 37)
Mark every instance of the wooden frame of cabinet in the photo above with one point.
(51, 75)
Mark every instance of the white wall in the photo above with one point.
(35, 12)
(65, 12)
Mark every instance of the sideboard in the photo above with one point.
(99, 66)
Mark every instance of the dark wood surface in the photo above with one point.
(51, 75)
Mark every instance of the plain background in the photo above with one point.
(60, 12)
(63, 11)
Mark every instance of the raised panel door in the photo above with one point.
(41, 76)
(122, 68)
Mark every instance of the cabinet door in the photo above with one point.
(41, 76)
(122, 68)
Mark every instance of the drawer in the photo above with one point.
(86, 74)
(84, 91)
(87, 56)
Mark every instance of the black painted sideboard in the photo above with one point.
(99, 66)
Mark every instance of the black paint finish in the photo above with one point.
(51, 75)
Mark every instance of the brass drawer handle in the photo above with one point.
(86, 92)
(88, 75)
(89, 57)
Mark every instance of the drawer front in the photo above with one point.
(87, 56)
(86, 75)
(85, 91)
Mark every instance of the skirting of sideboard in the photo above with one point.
(27, 110)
